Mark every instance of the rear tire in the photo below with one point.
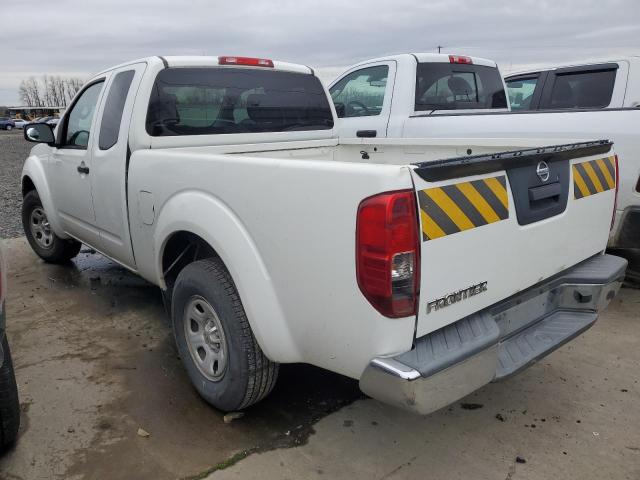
(43, 240)
(9, 403)
(218, 349)
(9, 128)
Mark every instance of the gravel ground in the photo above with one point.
(14, 149)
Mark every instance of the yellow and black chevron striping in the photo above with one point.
(462, 206)
(593, 177)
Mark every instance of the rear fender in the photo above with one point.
(208, 217)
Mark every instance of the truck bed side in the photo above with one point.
(286, 230)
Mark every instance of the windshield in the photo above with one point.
(208, 101)
(453, 86)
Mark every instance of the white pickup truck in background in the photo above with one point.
(601, 96)
(379, 97)
(420, 273)
(412, 96)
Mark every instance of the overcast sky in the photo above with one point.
(74, 37)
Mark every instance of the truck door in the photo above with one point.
(362, 98)
(70, 165)
(110, 157)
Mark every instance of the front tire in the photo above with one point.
(9, 403)
(41, 237)
(217, 347)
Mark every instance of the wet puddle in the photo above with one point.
(102, 360)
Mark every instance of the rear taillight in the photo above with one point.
(460, 59)
(615, 201)
(246, 61)
(387, 252)
(3, 281)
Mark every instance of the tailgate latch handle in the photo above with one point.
(545, 191)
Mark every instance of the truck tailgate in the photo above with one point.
(494, 225)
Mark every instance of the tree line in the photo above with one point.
(49, 91)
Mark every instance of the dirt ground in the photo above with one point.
(96, 361)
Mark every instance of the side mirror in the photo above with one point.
(39, 133)
(340, 109)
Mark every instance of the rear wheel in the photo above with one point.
(9, 127)
(41, 237)
(216, 344)
(9, 403)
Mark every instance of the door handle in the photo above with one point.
(366, 133)
(82, 168)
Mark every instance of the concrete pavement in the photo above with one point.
(95, 361)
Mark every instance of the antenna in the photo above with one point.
(440, 48)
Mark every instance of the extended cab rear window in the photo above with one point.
(453, 86)
(223, 100)
(581, 89)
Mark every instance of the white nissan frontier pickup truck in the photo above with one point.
(422, 274)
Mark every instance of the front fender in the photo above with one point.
(208, 217)
(34, 170)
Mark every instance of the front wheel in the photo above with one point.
(41, 237)
(217, 347)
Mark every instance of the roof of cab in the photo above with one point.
(444, 58)
(543, 67)
(210, 61)
(428, 58)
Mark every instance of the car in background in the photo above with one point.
(592, 85)
(53, 121)
(6, 123)
(9, 402)
(20, 122)
(586, 99)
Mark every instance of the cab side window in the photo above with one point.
(114, 108)
(361, 93)
(78, 125)
(582, 89)
(521, 92)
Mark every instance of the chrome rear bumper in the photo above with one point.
(497, 342)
